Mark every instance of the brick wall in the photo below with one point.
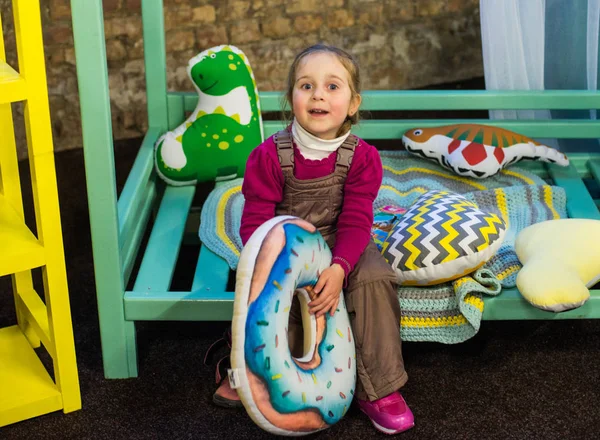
(399, 43)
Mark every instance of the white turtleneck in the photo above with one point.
(312, 147)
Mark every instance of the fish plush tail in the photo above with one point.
(547, 154)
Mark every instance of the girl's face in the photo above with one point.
(322, 98)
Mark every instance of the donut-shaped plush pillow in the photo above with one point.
(283, 394)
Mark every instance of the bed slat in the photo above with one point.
(511, 305)
(179, 306)
(579, 202)
(212, 273)
(395, 128)
(594, 166)
(133, 191)
(130, 247)
(175, 104)
(158, 264)
(376, 100)
(135, 202)
(204, 306)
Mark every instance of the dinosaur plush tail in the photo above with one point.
(170, 161)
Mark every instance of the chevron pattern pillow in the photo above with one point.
(442, 236)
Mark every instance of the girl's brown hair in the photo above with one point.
(347, 61)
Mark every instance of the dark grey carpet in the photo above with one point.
(513, 380)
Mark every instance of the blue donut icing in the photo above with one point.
(329, 387)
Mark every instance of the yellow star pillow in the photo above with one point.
(561, 260)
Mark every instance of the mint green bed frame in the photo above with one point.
(118, 224)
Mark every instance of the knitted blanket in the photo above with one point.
(449, 312)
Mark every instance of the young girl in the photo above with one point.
(317, 170)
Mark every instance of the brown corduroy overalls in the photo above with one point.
(371, 293)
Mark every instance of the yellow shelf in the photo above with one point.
(12, 85)
(27, 388)
(19, 248)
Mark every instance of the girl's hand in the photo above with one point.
(328, 289)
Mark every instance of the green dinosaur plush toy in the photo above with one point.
(215, 141)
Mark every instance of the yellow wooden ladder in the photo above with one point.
(26, 387)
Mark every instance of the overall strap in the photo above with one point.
(285, 149)
(345, 153)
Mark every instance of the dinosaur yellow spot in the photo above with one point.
(230, 57)
(203, 135)
(223, 145)
(224, 130)
(208, 144)
(219, 110)
(236, 118)
(239, 138)
(233, 67)
(215, 136)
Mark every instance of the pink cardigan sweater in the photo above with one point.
(263, 190)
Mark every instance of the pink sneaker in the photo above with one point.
(390, 414)
(227, 397)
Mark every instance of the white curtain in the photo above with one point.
(592, 47)
(540, 44)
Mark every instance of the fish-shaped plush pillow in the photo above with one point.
(474, 150)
